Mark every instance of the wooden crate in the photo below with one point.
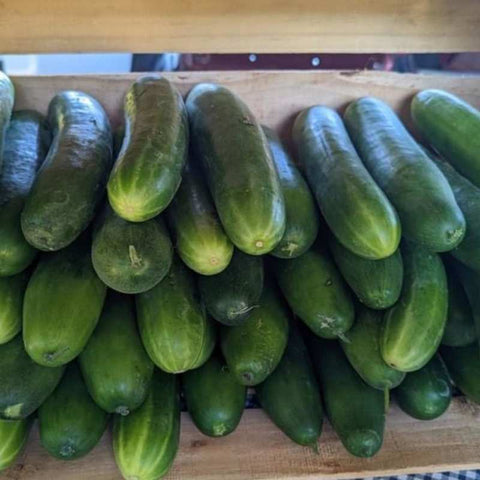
(258, 450)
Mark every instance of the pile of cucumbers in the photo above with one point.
(188, 254)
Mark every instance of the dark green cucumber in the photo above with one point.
(12, 290)
(463, 364)
(69, 421)
(146, 441)
(26, 145)
(149, 166)
(426, 393)
(115, 366)
(62, 305)
(231, 295)
(356, 210)
(25, 384)
(175, 330)
(130, 257)
(71, 182)
(417, 188)
(355, 410)
(13, 436)
(316, 293)
(376, 283)
(362, 348)
(7, 96)
(215, 400)
(291, 395)
(254, 349)
(239, 168)
(451, 126)
(413, 327)
(302, 223)
(200, 239)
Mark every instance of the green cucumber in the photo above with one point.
(175, 330)
(215, 400)
(425, 394)
(239, 168)
(199, 236)
(130, 257)
(26, 145)
(291, 396)
(69, 421)
(355, 410)
(62, 305)
(416, 187)
(7, 96)
(356, 210)
(70, 184)
(362, 348)
(25, 384)
(13, 436)
(413, 327)
(451, 126)
(12, 290)
(146, 441)
(231, 295)
(254, 349)
(115, 366)
(376, 283)
(302, 223)
(149, 166)
(316, 293)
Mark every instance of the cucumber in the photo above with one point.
(413, 327)
(26, 145)
(254, 349)
(69, 421)
(355, 410)
(463, 364)
(71, 182)
(146, 441)
(149, 166)
(425, 394)
(451, 126)
(7, 96)
(362, 348)
(316, 293)
(239, 168)
(291, 395)
(356, 210)
(62, 305)
(215, 400)
(302, 223)
(416, 187)
(130, 257)
(25, 384)
(177, 334)
(13, 436)
(115, 366)
(199, 236)
(376, 283)
(231, 295)
(12, 290)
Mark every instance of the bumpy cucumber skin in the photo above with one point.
(148, 169)
(130, 257)
(232, 295)
(451, 126)
(200, 239)
(7, 96)
(413, 327)
(417, 189)
(356, 210)
(26, 145)
(239, 168)
(13, 436)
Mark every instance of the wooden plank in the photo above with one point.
(258, 450)
(242, 26)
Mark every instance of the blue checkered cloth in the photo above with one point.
(462, 475)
